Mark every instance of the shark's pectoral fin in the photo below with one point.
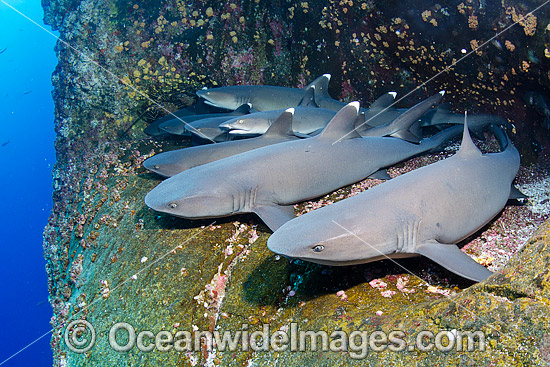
(451, 258)
(275, 215)
(381, 175)
(241, 110)
(515, 194)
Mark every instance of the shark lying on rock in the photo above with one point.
(269, 180)
(442, 116)
(185, 124)
(268, 97)
(309, 119)
(170, 163)
(423, 212)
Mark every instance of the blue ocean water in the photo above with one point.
(27, 156)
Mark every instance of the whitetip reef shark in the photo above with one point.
(423, 212)
(310, 119)
(170, 163)
(269, 97)
(269, 180)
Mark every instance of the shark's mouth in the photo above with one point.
(239, 131)
(210, 103)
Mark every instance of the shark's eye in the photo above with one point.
(156, 166)
(172, 205)
(240, 121)
(318, 248)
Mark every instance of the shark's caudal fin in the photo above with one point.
(467, 147)
(274, 215)
(401, 125)
(501, 136)
(309, 98)
(342, 125)
(282, 126)
(453, 259)
(321, 85)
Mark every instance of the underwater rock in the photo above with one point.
(110, 259)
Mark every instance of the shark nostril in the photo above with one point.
(318, 248)
(156, 166)
(172, 205)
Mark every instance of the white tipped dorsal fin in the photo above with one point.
(384, 101)
(342, 125)
(282, 126)
(321, 85)
(467, 147)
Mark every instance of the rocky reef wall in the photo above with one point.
(110, 259)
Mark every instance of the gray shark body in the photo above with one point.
(423, 212)
(183, 125)
(269, 180)
(309, 120)
(267, 97)
(442, 116)
(153, 129)
(209, 129)
(170, 163)
(306, 120)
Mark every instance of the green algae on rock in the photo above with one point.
(112, 260)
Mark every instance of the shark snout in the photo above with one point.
(151, 164)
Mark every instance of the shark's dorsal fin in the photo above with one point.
(342, 125)
(384, 101)
(282, 126)
(309, 98)
(321, 85)
(467, 147)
